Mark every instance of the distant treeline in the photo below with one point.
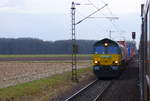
(37, 46)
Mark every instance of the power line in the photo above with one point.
(92, 14)
(110, 10)
(107, 6)
(101, 12)
(113, 24)
(111, 13)
(93, 4)
(110, 18)
(102, 1)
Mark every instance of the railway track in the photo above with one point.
(92, 92)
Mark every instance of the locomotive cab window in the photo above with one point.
(107, 50)
(100, 50)
(113, 50)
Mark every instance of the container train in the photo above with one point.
(144, 52)
(109, 57)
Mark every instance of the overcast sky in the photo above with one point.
(51, 19)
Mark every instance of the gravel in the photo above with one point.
(126, 87)
(92, 92)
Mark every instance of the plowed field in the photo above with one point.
(14, 72)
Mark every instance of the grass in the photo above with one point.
(40, 55)
(39, 87)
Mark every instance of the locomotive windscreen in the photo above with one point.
(107, 50)
(112, 50)
(100, 50)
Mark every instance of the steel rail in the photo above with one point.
(103, 91)
(82, 90)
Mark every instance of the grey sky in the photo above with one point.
(50, 19)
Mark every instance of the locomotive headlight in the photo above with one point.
(116, 62)
(105, 44)
(95, 62)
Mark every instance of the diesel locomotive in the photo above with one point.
(108, 57)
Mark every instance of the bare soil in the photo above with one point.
(12, 73)
(43, 58)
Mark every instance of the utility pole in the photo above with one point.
(74, 46)
(73, 32)
(110, 34)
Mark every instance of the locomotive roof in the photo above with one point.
(105, 40)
